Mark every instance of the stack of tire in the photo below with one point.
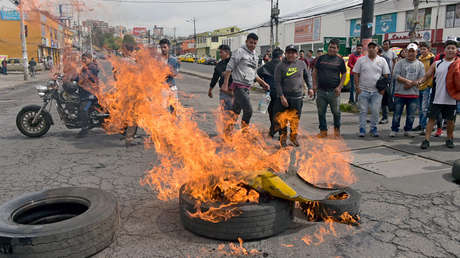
(269, 217)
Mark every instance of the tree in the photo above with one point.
(129, 42)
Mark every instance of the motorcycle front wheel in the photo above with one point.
(25, 118)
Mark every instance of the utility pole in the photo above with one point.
(276, 11)
(412, 34)
(194, 33)
(274, 20)
(271, 26)
(24, 43)
(367, 19)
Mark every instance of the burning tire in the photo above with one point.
(341, 205)
(258, 220)
(64, 222)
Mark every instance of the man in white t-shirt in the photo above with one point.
(442, 102)
(367, 72)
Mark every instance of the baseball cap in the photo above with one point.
(412, 46)
(372, 43)
(291, 48)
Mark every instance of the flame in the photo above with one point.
(237, 250)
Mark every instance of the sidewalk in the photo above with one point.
(13, 80)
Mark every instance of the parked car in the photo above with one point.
(347, 84)
(210, 61)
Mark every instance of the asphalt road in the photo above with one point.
(403, 215)
(206, 69)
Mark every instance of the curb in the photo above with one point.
(196, 74)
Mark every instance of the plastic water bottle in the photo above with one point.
(263, 103)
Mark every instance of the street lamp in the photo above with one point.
(194, 32)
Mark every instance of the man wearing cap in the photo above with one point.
(367, 71)
(242, 67)
(406, 73)
(442, 102)
(290, 76)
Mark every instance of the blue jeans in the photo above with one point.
(369, 100)
(323, 99)
(458, 107)
(4, 70)
(423, 105)
(411, 108)
(226, 101)
(352, 89)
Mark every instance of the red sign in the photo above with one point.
(432, 36)
(307, 30)
(140, 31)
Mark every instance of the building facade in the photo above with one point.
(45, 35)
(438, 21)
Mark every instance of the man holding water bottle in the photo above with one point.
(290, 76)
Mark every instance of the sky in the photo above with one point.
(209, 15)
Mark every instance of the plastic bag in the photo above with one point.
(263, 103)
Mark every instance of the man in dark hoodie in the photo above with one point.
(226, 101)
(290, 76)
(267, 73)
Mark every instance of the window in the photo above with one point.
(215, 39)
(453, 16)
(423, 18)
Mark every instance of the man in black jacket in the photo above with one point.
(87, 79)
(267, 73)
(290, 76)
(225, 99)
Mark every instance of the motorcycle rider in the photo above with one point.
(87, 79)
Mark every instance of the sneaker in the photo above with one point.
(425, 145)
(362, 132)
(322, 134)
(283, 139)
(374, 132)
(409, 134)
(295, 142)
(418, 128)
(392, 134)
(422, 133)
(383, 121)
(450, 143)
(83, 133)
(438, 132)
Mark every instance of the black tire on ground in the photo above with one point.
(64, 222)
(456, 170)
(24, 121)
(335, 208)
(258, 220)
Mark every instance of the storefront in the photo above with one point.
(402, 39)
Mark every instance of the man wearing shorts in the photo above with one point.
(442, 103)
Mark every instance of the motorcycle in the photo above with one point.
(35, 121)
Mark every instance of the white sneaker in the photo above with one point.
(392, 134)
(409, 134)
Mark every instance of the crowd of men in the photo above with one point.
(381, 80)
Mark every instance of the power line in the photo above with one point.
(165, 2)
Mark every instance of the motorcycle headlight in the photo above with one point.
(42, 90)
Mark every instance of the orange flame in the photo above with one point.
(213, 171)
(237, 250)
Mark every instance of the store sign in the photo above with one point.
(385, 23)
(140, 31)
(355, 28)
(307, 30)
(403, 37)
(10, 15)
